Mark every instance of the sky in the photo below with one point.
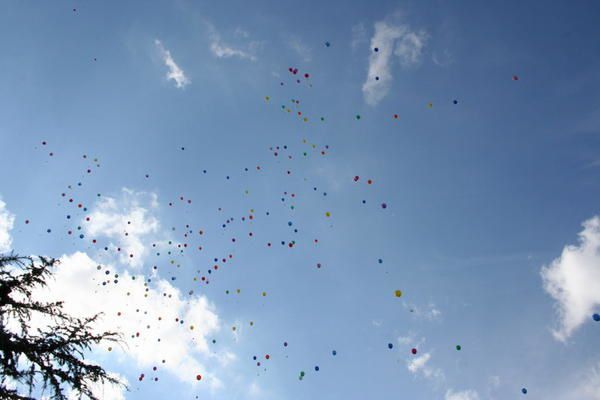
(226, 180)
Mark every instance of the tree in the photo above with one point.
(41, 347)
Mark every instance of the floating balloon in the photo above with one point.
(334, 352)
(458, 347)
(413, 350)
(515, 78)
(398, 293)
(596, 317)
(390, 346)
(198, 377)
(524, 391)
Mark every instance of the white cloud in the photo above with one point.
(419, 365)
(147, 320)
(127, 221)
(573, 280)
(464, 395)
(390, 40)
(175, 73)
(104, 392)
(303, 50)
(589, 386)
(409, 48)
(222, 50)
(7, 220)
(429, 312)
(254, 390)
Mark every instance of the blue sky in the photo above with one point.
(489, 229)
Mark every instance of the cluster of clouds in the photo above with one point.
(145, 313)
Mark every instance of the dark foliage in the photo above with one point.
(43, 360)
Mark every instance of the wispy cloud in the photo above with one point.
(359, 35)
(573, 280)
(7, 220)
(429, 312)
(463, 395)
(302, 49)
(390, 40)
(421, 365)
(222, 50)
(175, 73)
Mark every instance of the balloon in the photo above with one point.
(524, 391)
(398, 293)
(334, 352)
(455, 102)
(390, 346)
(357, 116)
(328, 214)
(327, 44)
(376, 49)
(515, 78)
(198, 377)
(596, 317)
(316, 367)
(413, 350)
(458, 347)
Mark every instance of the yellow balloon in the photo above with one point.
(398, 293)
(328, 214)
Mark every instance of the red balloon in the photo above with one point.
(198, 377)
(414, 351)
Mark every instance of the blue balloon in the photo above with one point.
(596, 317)
(524, 391)
(316, 368)
(334, 352)
(390, 346)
